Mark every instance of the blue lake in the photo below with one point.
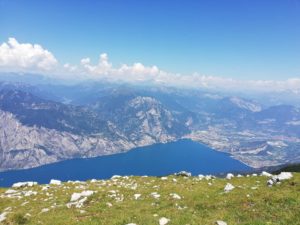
(154, 160)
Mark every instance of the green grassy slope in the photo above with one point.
(202, 202)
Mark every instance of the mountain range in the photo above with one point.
(43, 123)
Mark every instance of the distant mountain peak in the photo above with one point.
(246, 104)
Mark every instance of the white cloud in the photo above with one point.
(104, 67)
(25, 57)
(15, 56)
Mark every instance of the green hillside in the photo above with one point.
(146, 200)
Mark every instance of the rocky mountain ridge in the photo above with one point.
(36, 130)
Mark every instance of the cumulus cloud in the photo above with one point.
(141, 73)
(26, 57)
(15, 56)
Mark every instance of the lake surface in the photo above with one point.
(154, 160)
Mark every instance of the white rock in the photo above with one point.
(55, 182)
(137, 196)
(270, 182)
(29, 193)
(75, 197)
(45, 210)
(284, 176)
(276, 179)
(183, 174)
(3, 216)
(220, 222)
(163, 221)
(208, 177)
(10, 191)
(46, 187)
(115, 177)
(87, 193)
(229, 176)
(81, 201)
(239, 175)
(131, 224)
(200, 176)
(266, 174)
(228, 187)
(254, 175)
(164, 178)
(175, 196)
(155, 195)
(24, 184)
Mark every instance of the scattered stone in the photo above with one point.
(220, 222)
(229, 176)
(87, 193)
(266, 174)
(55, 182)
(109, 204)
(46, 187)
(276, 179)
(29, 193)
(284, 176)
(24, 184)
(10, 191)
(163, 221)
(183, 174)
(137, 196)
(200, 176)
(78, 199)
(228, 187)
(208, 177)
(44, 210)
(175, 196)
(3, 216)
(77, 196)
(155, 195)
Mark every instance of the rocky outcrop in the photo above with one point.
(23, 146)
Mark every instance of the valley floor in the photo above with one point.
(151, 200)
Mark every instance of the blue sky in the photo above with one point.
(241, 39)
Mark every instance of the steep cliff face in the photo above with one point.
(27, 141)
(24, 146)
